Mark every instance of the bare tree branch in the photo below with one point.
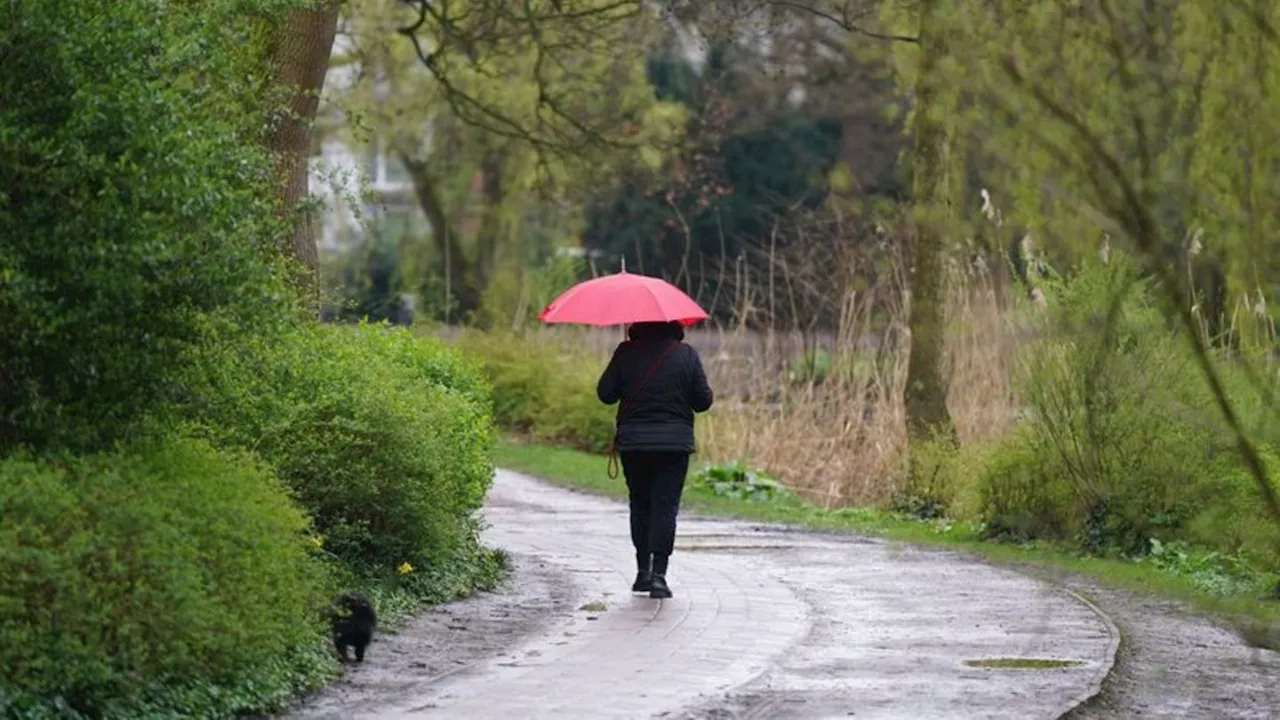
(493, 25)
(845, 21)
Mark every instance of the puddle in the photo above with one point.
(732, 548)
(1022, 663)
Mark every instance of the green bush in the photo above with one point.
(741, 482)
(384, 438)
(1098, 385)
(548, 396)
(164, 578)
(1232, 519)
(1120, 447)
(142, 288)
(520, 373)
(1023, 496)
(812, 366)
(939, 481)
(135, 208)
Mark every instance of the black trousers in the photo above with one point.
(655, 481)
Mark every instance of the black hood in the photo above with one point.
(647, 331)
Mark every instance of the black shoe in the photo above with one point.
(643, 583)
(658, 588)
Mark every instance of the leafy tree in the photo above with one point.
(493, 109)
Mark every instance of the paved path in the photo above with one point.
(766, 622)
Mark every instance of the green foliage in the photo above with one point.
(398, 593)
(1119, 448)
(738, 481)
(135, 209)
(1023, 496)
(383, 437)
(556, 105)
(560, 91)
(1093, 147)
(142, 289)
(1107, 402)
(515, 296)
(369, 285)
(812, 366)
(431, 360)
(548, 396)
(162, 578)
(1233, 521)
(1214, 572)
(939, 479)
(1078, 134)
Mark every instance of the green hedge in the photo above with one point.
(1179, 493)
(143, 295)
(383, 437)
(162, 578)
(198, 573)
(540, 393)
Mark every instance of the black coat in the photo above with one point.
(660, 417)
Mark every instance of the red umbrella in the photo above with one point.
(623, 299)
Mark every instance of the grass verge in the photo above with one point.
(1258, 621)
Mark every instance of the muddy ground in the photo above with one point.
(447, 639)
(1177, 663)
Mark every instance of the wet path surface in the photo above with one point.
(765, 622)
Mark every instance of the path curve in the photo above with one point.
(766, 622)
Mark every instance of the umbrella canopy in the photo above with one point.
(623, 299)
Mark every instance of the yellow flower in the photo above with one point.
(317, 540)
(405, 568)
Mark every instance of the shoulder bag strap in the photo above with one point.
(612, 468)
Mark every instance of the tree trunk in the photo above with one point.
(299, 50)
(491, 230)
(459, 278)
(926, 392)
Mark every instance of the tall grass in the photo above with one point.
(823, 409)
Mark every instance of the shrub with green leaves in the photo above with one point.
(1024, 496)
(811, 366)
(939, 479)
(1213, 571)
(135, 209)
(384, 438)
(163, 578)
(548, 396)
(1231, 519)
(1119, 446)
(741, 482)
(1106, 456)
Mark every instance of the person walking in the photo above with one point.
(659, 384)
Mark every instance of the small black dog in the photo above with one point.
(353, 621)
